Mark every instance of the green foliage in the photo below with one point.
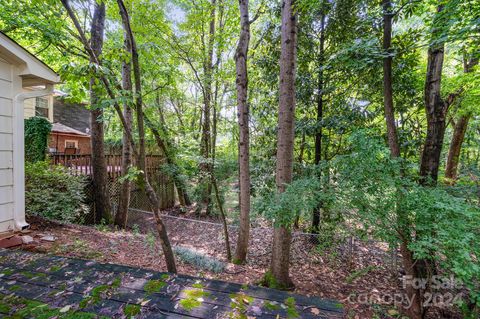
(132, 175)
(150, 241)
(199, 260)
(197, 285)
(131, 310)
(356, 181)
(388, 204)
(153, 286)
(193, 298)
(291, 309)
(95, 295)
(268, 280)
(18, 307)
(239, 305)
(189, 304)
(299, 197)
(37, 131)
(271, 306)
(51, 192)
(102, 226)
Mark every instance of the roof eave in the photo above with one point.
(70, 134)
(32, 70)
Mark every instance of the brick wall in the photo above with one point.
(57, 141)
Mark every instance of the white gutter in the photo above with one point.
(19, 154)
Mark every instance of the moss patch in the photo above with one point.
(153, 286)
(194, 298)
(131, 310)
(239, 304)
(14, 288)
(17, 307)
(190, 304)
(291, 309)
(271, 306)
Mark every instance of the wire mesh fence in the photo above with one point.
(207, 236)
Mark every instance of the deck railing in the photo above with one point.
(82, 164)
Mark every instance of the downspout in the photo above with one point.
(19, 154)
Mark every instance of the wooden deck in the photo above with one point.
(45, 286)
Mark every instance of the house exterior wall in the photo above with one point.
(57, 141)
(29, 107)
(6, 146)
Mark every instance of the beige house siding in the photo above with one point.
(29, 107)
(18, 70)
(6, 146)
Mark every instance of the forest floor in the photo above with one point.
(361, 278)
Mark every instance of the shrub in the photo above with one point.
(51, 192)
(199, 260)
(37, 130)
(440, 227)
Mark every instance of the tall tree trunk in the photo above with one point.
(319, 133)
(141, 160)
(217, 83)
(387, 80)
(99, 164)
(403, 226)
(206, 166)
(280, 263)
(124, 197)
(436, 110)
(459, 130)
(436, 113)
(244, 134)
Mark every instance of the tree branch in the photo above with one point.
(102, 77)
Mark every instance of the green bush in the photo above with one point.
(441, 227)
(37, 130)
(51, 192)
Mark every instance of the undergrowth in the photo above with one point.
(199, 260)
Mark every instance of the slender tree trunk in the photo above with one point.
(244, 134)
(152, 195)
(108, 86)
(206, 166)
(124, 198)
(301, 151)
(459, 130)
(319, 134)
(387, 80)
(166, 148)
(280, 263)
(415, 295)
(223, 217)
(99, 165)
(162, 144)
(217, 82)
